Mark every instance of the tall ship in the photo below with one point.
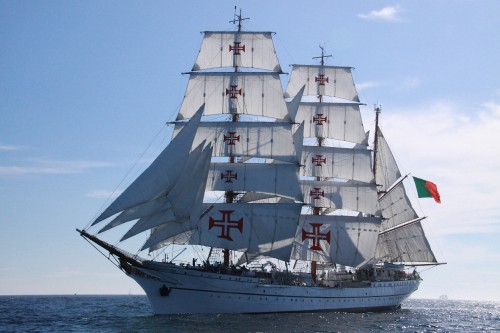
(279, 191)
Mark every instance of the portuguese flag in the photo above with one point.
(427, 189)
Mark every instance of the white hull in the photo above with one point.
(197, 291)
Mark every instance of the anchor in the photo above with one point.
(165, 291)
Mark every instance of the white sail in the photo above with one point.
(332, 162)
(154, 181)
(344, 240)
(237, 48)
(184, 198)
(253, 93)
(341, 121)
(387, 171)
(156, 204)
(267, 229)
(396, 207)
(322, 80)
(278, 178)
(402, 238)
(406, 244)
(160, 204)
(247, 139)
(361, 197)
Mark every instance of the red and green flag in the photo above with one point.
(427, 189)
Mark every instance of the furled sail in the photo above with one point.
(237, 48)
(344, 240)
(322, 80)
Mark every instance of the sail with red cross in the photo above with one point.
(345, 240)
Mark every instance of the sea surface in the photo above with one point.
(133, 314)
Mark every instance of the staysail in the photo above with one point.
(402, 238)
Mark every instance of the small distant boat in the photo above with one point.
(311, 218)
(443, 297)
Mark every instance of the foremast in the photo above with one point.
(255, 153)
(230, 195)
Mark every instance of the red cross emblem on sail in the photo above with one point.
(319, 120)
(317, 193)
(321, 79)
(236, 48)
(232, 138)
(316, 236)
(233, 91)
(229, 176)
(226, 224)
(318, 160)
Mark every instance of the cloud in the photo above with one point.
(43, 166)
(4, 147)
(368, 85)
(385, 14)
(411, 83)
(454, 146)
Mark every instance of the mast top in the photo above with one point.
(323, 56)
(238, 19)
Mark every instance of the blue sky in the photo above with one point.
(87, 86)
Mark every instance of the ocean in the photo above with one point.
(133, 314)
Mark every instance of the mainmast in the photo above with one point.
(230, 195)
